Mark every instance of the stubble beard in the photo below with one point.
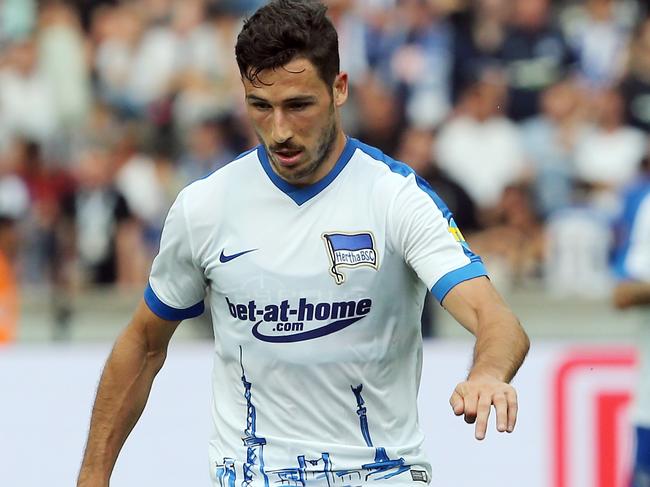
(322, 153)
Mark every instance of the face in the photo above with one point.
(295, 116)
(530, 13)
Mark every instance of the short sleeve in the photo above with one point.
(431, 243)
(177, 284)
(636, 257)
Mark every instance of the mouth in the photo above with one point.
(287, 158)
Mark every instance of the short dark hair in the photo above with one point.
(284, 30)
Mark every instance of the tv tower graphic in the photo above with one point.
(253, 467)
(317, 471)
(255, 444)
(383, 462)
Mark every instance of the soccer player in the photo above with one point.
(633, 290)
(316, 252)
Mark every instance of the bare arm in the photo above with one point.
(501, 346)
(136, 358)
(631, 293)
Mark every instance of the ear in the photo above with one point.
(340, 89)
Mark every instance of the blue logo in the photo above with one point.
(223, 258)
(284, 323)
(349, 250)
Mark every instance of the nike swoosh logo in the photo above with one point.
(223, 258)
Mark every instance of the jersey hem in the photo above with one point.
(167, 312)
(447, 282)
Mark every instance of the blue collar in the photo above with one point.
(304, 193)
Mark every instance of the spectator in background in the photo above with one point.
(27, 106)
(635, 87)
(577, 251)
(87, 9)
(8, 279)
(416, 147)
(609, 153)
(16, 19)
(352, 37)
(380, 118)
(354, 43)
(152, 65)
(99, 222)
(14, 195)
(534, 55)
(413, 59)
(115, 33)
(63, 62)
(204, 80)
(479, 148)
(598, 32)
(149, 182)
(549, 141)
(207, 150)
(14, 201)
(633, 291)
(47, 186)
(478, 34)
(513, 245)
(165, 66)
(419, 63)
(181, 61)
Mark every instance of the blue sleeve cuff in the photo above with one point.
(166, 312)
(449, 280)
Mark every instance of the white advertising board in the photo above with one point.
(573, 428)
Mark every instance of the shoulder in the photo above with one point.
(206, 201)
(390, 176)
(381, 167)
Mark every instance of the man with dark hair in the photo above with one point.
(316, 251)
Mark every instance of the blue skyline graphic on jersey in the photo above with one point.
(254, 444)
(349, 250)
(307, 472)
(382, 464)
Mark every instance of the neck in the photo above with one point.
(329, 163)
(337, 150)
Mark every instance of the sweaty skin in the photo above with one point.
(501, 346)
(296, 118)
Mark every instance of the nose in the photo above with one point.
(281, 131)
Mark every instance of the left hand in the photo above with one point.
(475, 397)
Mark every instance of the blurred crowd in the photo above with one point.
(528, 117)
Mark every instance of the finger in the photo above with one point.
(482, 415)
(471, 406)
(457, 403)
(501, 407)
(513, 407)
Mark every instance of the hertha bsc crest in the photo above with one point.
(349, 250)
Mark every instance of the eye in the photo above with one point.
(298, 106)
(260, 106)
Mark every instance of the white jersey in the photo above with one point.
(316, 295)
(633, 262)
